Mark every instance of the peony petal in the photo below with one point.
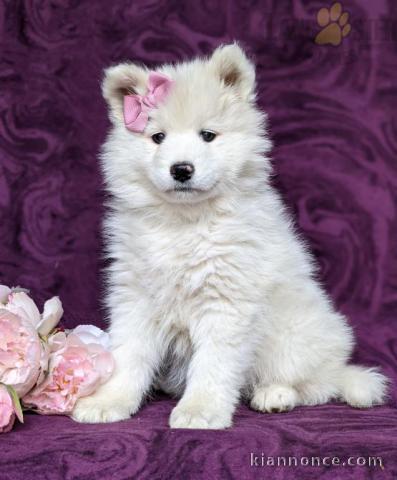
(21, 304)
(52, 313)
(92, 334)
(8, 359)
(57, 341)
(7, 420)
(74, 341)
(4, 292)
(104, 365)
(7, 413)
(44, 358)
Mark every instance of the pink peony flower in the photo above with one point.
(20, 352)
(79, 363)
(23, 356)
(49, 373)
(7, 412)
(9, 408)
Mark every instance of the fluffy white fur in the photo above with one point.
(211, 292)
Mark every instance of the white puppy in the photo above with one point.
(211, 292)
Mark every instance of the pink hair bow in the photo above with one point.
(137, 107)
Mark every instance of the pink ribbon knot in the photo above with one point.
(137, 107)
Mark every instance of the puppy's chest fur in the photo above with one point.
(186, 268)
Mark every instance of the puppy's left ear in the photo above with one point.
(234, 70)
(121, 80)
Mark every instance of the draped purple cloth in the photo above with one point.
(333, 118)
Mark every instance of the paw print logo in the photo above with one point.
(335, 25)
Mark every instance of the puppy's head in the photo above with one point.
(204, 139)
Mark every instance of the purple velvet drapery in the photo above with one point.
(332, 113)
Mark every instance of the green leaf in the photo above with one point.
(16, 402)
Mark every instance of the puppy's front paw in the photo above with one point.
(190, 414)
(96, 409)
(274, 398)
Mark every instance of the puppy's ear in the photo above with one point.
(119, 81)
(234, 70)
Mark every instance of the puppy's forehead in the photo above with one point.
(196, 98)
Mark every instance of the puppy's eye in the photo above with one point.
(158, 137)
(207, 135)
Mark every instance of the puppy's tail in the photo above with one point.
(362, 387)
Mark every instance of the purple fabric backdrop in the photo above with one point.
(333, 118)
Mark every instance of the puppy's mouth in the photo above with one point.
(188, 193)
(186, 189)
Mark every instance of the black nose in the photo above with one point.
(182, 171)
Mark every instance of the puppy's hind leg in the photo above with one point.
(275, 398)
(358, 386)
(303, 337)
